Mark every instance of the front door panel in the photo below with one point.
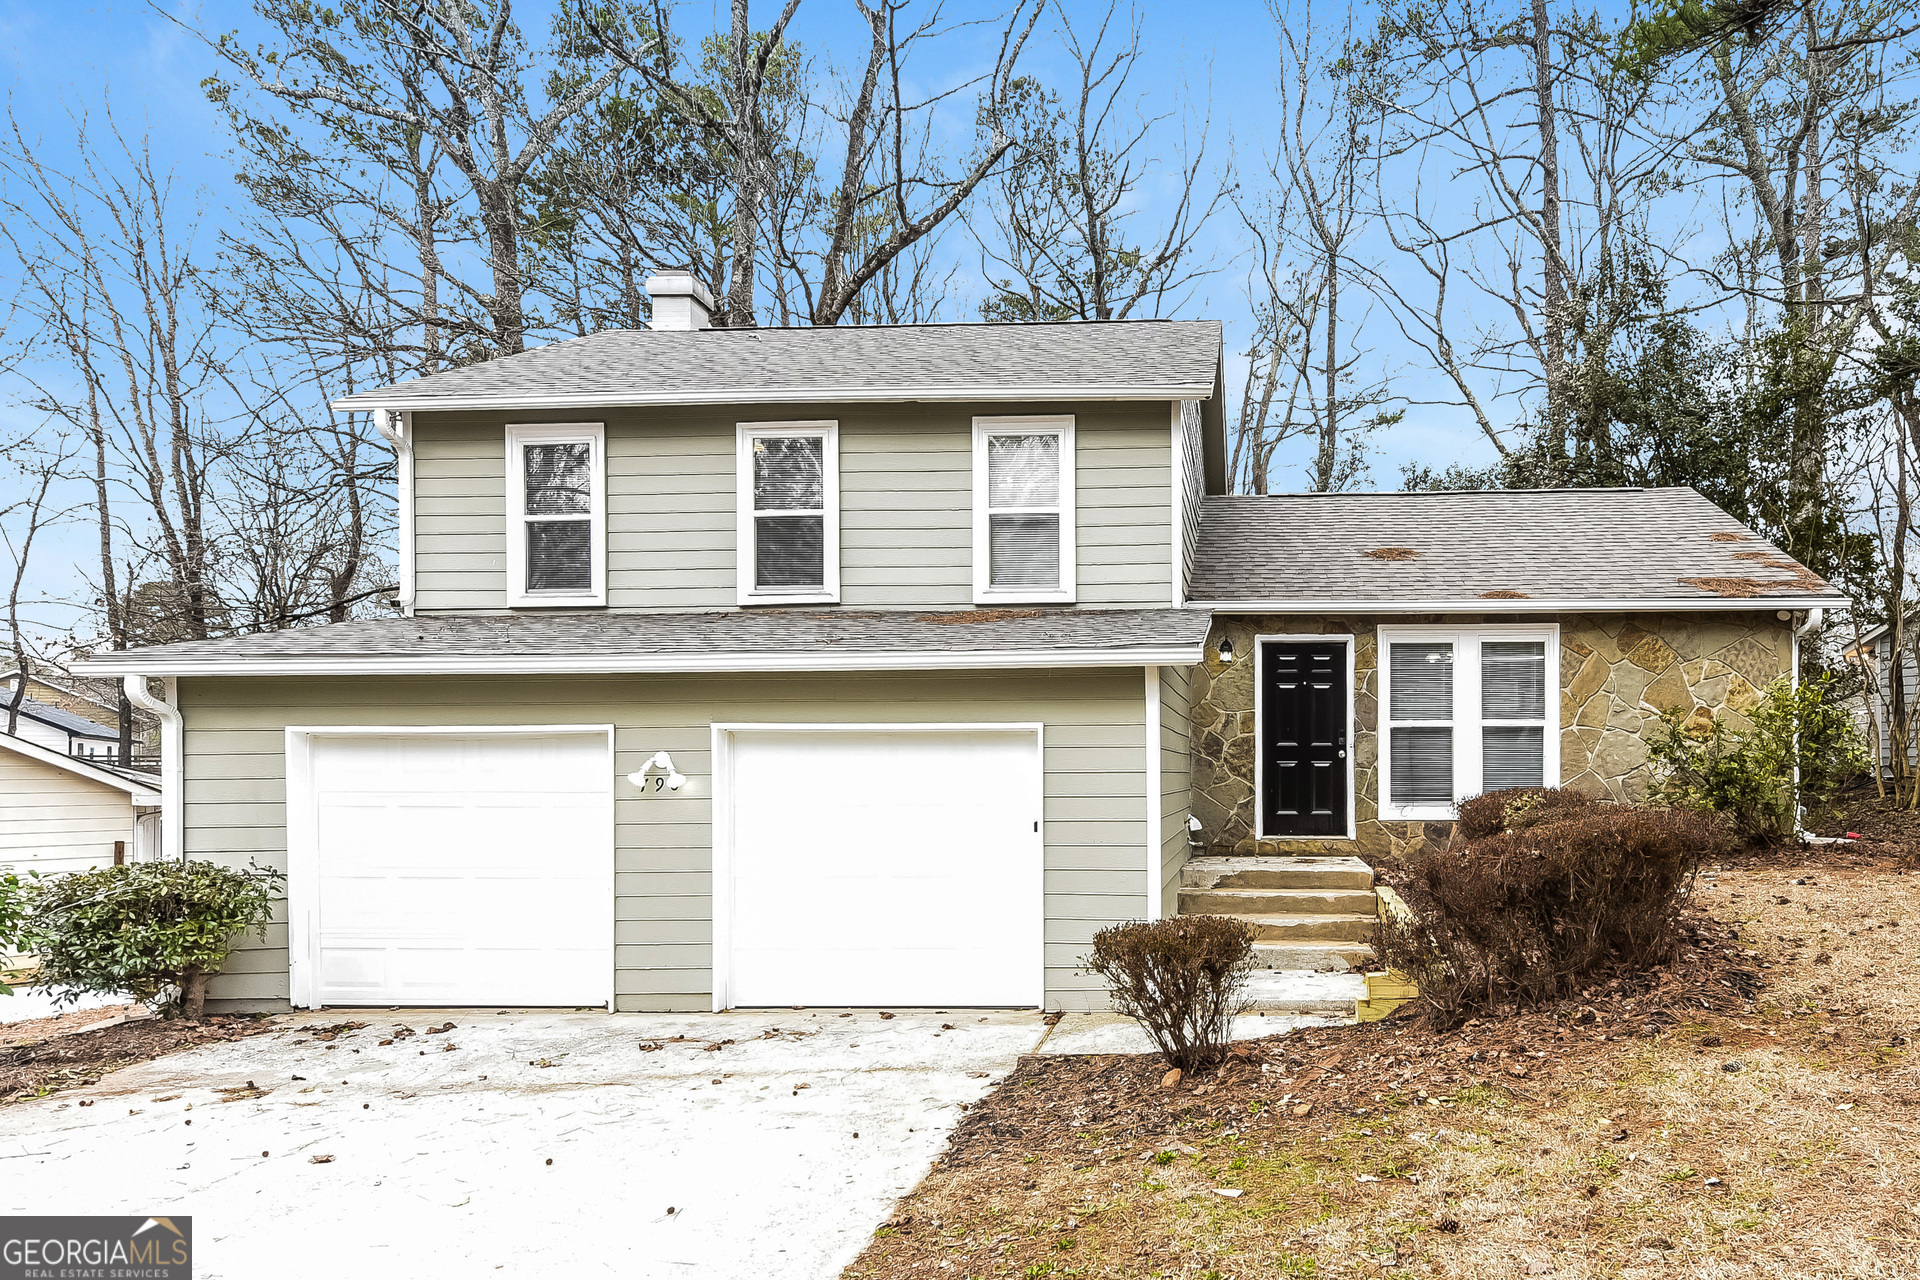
(1304, 731)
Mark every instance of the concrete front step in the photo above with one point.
(1297, 991)
(1313, 957)
(1276, 902)
(1276, 873)
(1309, 928)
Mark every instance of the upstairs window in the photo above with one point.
(1023, 508)
(1466, 713)
(556, 514)
(789, 534)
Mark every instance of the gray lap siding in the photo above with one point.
(1095, 782)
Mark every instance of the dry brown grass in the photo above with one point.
(1637, 1157)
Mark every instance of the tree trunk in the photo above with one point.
(746, 171)
(1553, 291)
(193, 993)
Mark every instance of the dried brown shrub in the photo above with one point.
(1182, 979)
(1533, 914)
(1517, 808)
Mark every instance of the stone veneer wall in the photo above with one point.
(1617, 672)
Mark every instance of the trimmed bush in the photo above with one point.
(13, 910)
(155, 930)
(1183, 979)
(1534, 914)
(1517, 808)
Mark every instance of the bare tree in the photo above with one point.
(1304, 227)
(1061, 236)
(825, 240)
(20, 524)
(388, 76)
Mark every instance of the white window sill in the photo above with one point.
(762, 600)
(1418, 813)
(557, 602)
(1022, 597)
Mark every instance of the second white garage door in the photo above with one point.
(881, 867)
(456, 869)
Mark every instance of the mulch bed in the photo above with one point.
(1308, 1075)
(82, 1058)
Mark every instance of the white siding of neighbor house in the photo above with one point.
(906, 491)
(1095, 803)
(1176, 776)
(52, 820)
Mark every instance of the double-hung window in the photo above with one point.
(789, 524)
(557, 514)
(1023, 508)
(1464, 712)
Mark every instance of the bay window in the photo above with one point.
(789, 522)
(1023, 510)
(1464, 712)
(556, 514)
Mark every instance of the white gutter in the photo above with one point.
(588, 664)
(142, 792)
(400, 401)
(172, 741)
(1154, 800)
(397, 427)
(1529, 605)
(1813, 619)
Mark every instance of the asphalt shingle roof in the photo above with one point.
(1135, 358)
(65, 721)
(799, 638)
(1661, 546)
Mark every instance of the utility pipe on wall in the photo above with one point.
(397, 427)
(172, 740)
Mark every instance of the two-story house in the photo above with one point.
(883, 666)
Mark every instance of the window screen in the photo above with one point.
(1023, 511)
(558, 483)
(789, 512)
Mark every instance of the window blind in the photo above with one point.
(1023, 511)
(789, 550)
(1422, 764)
(1513, 680)
(558, 483)
(1512, 755)
(1422, 677)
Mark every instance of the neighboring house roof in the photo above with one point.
(757, 640)
(143, 788)
(65, 721)
(1127, 359)
(1511, 550)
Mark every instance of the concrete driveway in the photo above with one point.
(538, 1144)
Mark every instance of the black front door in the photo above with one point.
(1304, 726)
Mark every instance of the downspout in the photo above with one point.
(1813, 620)
(1155, 854)
(397, 427)
(167, 711)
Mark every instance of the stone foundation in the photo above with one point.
(1617, 673)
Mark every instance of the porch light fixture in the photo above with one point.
(659, 760)
(1226, 651)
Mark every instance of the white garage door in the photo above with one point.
(885, 868)
(461, 869)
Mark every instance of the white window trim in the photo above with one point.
(745, 433)
(1346, 638)
(1060, 425)
(1466, 693)
(519, 435)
